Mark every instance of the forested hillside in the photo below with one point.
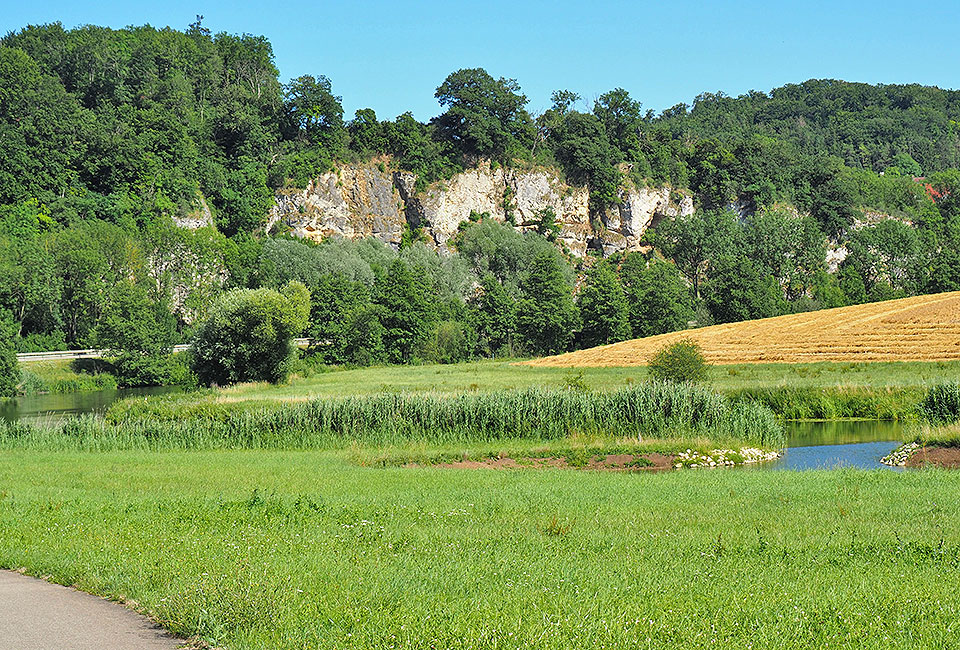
(110, 138)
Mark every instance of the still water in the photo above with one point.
(38, 408)
(843, 443)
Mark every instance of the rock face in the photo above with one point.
(199, 218)
(367, 200)
(353, 202)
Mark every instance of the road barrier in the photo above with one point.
(58, 355)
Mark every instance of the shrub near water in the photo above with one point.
(654, 410)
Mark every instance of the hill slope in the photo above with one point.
(922, 328)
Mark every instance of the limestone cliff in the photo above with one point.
(370, 201)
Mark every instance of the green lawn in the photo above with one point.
(256, 549)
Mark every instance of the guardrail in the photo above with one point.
(58, 355)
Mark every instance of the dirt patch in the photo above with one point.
(608, 462)
(947, 457)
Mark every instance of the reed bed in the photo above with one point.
(650, 410)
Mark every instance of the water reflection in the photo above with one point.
(839, 432)
(842, 443)
(52, 407)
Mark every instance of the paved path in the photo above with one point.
(37, 615)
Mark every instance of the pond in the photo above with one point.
(36, 408)
(840, 443)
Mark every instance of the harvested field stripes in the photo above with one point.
(922, 328)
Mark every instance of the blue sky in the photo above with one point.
(391, 56)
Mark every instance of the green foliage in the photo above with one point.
(790, 249)
(585, 153)
(603, 308)
(249, 335)
(449, 341)
(622, 122)
(485, 117)
(407, 298)
(887, 257)
(546, 314)
(737, 290)
(495, 316)
(834, 402)
(694, 241)
(657, 297)
(499, 250)
(133, 322)
(367, 133)
(546, 222)
(9, 369)
(941, 404)
(108, 134)
(137, 334)
(314, 114)
(682, 361)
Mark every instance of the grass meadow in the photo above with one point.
(280, 549)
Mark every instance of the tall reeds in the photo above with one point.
(651, 410)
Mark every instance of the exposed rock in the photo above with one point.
(363, 201)
(199, 218)
(836, 253)
(445, 205)
(641, 209)
(872, 218)
(353, 202)
(742, 209)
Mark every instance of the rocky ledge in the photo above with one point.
(370, 200)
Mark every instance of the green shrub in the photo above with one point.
(135, 370)
(682, 361)
(942, 403)
(249, 335)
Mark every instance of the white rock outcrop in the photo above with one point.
(367, 200)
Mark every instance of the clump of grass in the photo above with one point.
(682, 361)
(942, 403)
(937, 435)
(557, 528)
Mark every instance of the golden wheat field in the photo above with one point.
(923, 328)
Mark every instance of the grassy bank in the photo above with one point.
(649, 410)
(301, 549)
(836, 402)
(65, 376)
